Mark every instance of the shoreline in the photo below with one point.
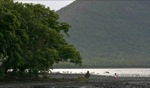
(77, 81)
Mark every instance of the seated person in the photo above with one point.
(87, 75)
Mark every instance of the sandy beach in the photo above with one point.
(77, 81)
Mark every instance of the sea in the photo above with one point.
(122, 72)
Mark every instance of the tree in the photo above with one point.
(32, 38)
(11, 39)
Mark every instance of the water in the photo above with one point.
(122, 72)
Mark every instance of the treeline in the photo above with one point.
(31, 38)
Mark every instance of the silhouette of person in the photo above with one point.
(87, 75)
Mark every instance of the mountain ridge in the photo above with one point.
(110, 31)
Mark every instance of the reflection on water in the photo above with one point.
(122, 72)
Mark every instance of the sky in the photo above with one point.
(53, 4)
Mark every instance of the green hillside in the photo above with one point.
(110, 33)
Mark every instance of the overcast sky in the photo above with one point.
(53, 4)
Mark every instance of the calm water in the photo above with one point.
(123, 72)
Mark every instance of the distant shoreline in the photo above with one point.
(102, 68)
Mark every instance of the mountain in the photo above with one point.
(110, 33)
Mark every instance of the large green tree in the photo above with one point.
(11, 38)
(31, 37)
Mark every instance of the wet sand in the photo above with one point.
(78, 81)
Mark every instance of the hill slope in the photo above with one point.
(110, 33)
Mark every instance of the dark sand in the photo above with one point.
(77, 81)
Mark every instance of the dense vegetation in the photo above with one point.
(31, 38)
(110, 33)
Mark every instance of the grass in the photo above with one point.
(82, 79)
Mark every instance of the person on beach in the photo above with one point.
(116, 76)
(87, 75)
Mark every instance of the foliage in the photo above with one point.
(31, 37)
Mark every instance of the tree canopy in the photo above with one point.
(31, 37)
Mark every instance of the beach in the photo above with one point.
(78, 81)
